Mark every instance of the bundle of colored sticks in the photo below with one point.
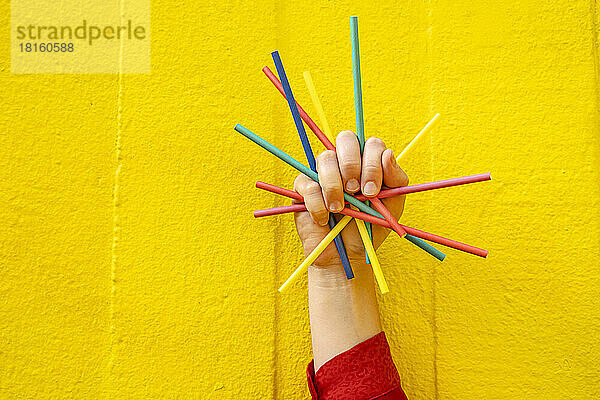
(365, 211)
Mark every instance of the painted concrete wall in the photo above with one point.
(130, 264)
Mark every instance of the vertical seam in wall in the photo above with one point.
(116, 226)
(277, 234)
(596, 60)
(432, 111)
(277, 248)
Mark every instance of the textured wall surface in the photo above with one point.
(130, 263)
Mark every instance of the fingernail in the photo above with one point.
(370, 189)
(352, 185)
(335, 206)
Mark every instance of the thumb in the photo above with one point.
(393, 175)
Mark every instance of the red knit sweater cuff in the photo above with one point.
(363, 372)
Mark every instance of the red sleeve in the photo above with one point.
(365, 372)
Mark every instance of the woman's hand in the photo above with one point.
(341, 171)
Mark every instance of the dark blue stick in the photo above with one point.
(339, 243)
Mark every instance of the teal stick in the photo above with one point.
(360, 131)
(358, 106)
(300, 167)
(425, 246)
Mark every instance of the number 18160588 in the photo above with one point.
(46, 47)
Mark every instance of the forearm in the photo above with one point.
(343, 312)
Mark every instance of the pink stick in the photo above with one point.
(389, 192)
(463, 180)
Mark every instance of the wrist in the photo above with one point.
(333, 275)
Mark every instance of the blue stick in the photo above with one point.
(292, 103)
(339, 243)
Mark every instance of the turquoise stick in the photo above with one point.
(358, 106)
(426, 246)
(360, 131)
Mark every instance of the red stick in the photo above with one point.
(388, 216)
(311, 124)
(420, 234)
(278, 190)
(446, 242)
(279, 210)
(382, 222)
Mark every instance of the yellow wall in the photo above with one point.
(130, 264)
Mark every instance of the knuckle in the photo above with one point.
(327, 155)
(320, 215)
(404, 179)
(345, 134)
(351, 165)
(375, 141)
(298, 181)
(303, 184)
(371, 169)
(312, 188)
(331, 191)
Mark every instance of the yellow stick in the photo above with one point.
(315, 99)
(362, 229)
(424, 130)
(317, 251)
(317, 104)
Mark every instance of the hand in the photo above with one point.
(341, 170)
